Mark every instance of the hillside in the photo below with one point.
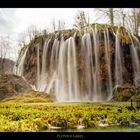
(6, 65)
(15, 88)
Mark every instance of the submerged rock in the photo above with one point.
(54, 127)
(80, 127)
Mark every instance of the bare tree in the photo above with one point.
(32, 31)
(53, 24)
(120, 16)
(134, 20)
(127, 17)
(107, 12)
(81, 20)
(44, 32)
(61, 24)
(111, 15)
(123, 16)
(4, 46)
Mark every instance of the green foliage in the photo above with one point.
(19, 117)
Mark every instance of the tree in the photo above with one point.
(111, 15)
(32, 31)
(120, 16)
(61, 25)
(4, 46)
(53, 25)
(81, 20)
(134, 20)
(108, 12)
(44, 32)
(123, 16)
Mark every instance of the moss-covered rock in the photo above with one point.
(137, 95)
(126, 93)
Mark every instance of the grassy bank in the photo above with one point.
(20, 117)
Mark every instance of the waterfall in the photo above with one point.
(19, 66)
(84, 65)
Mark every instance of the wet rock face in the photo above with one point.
(30, 62)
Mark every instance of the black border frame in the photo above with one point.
(69, 4)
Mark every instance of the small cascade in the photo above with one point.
(44, 74)
(118, 61)
(38, 69)
(19, 66)
(97, 78)
(62, 72)
(71, 70)
(86, 51)
(108, 63)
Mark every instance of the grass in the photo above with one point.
(26, 99)
(29, 97)
(34, 117)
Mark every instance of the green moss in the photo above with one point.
(19, 117)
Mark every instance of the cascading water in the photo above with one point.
(66, 86)
(97, 78)
(44, 75)
(82, 66)
(19, 66)
(38, 69)
(118, 61)
(88, 69)
(108, 63)
(135, 61)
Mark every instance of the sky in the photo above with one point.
(14, 22)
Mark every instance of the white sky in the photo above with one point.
(15, 21)
(44, 16)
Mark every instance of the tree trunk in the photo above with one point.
(111, 14)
